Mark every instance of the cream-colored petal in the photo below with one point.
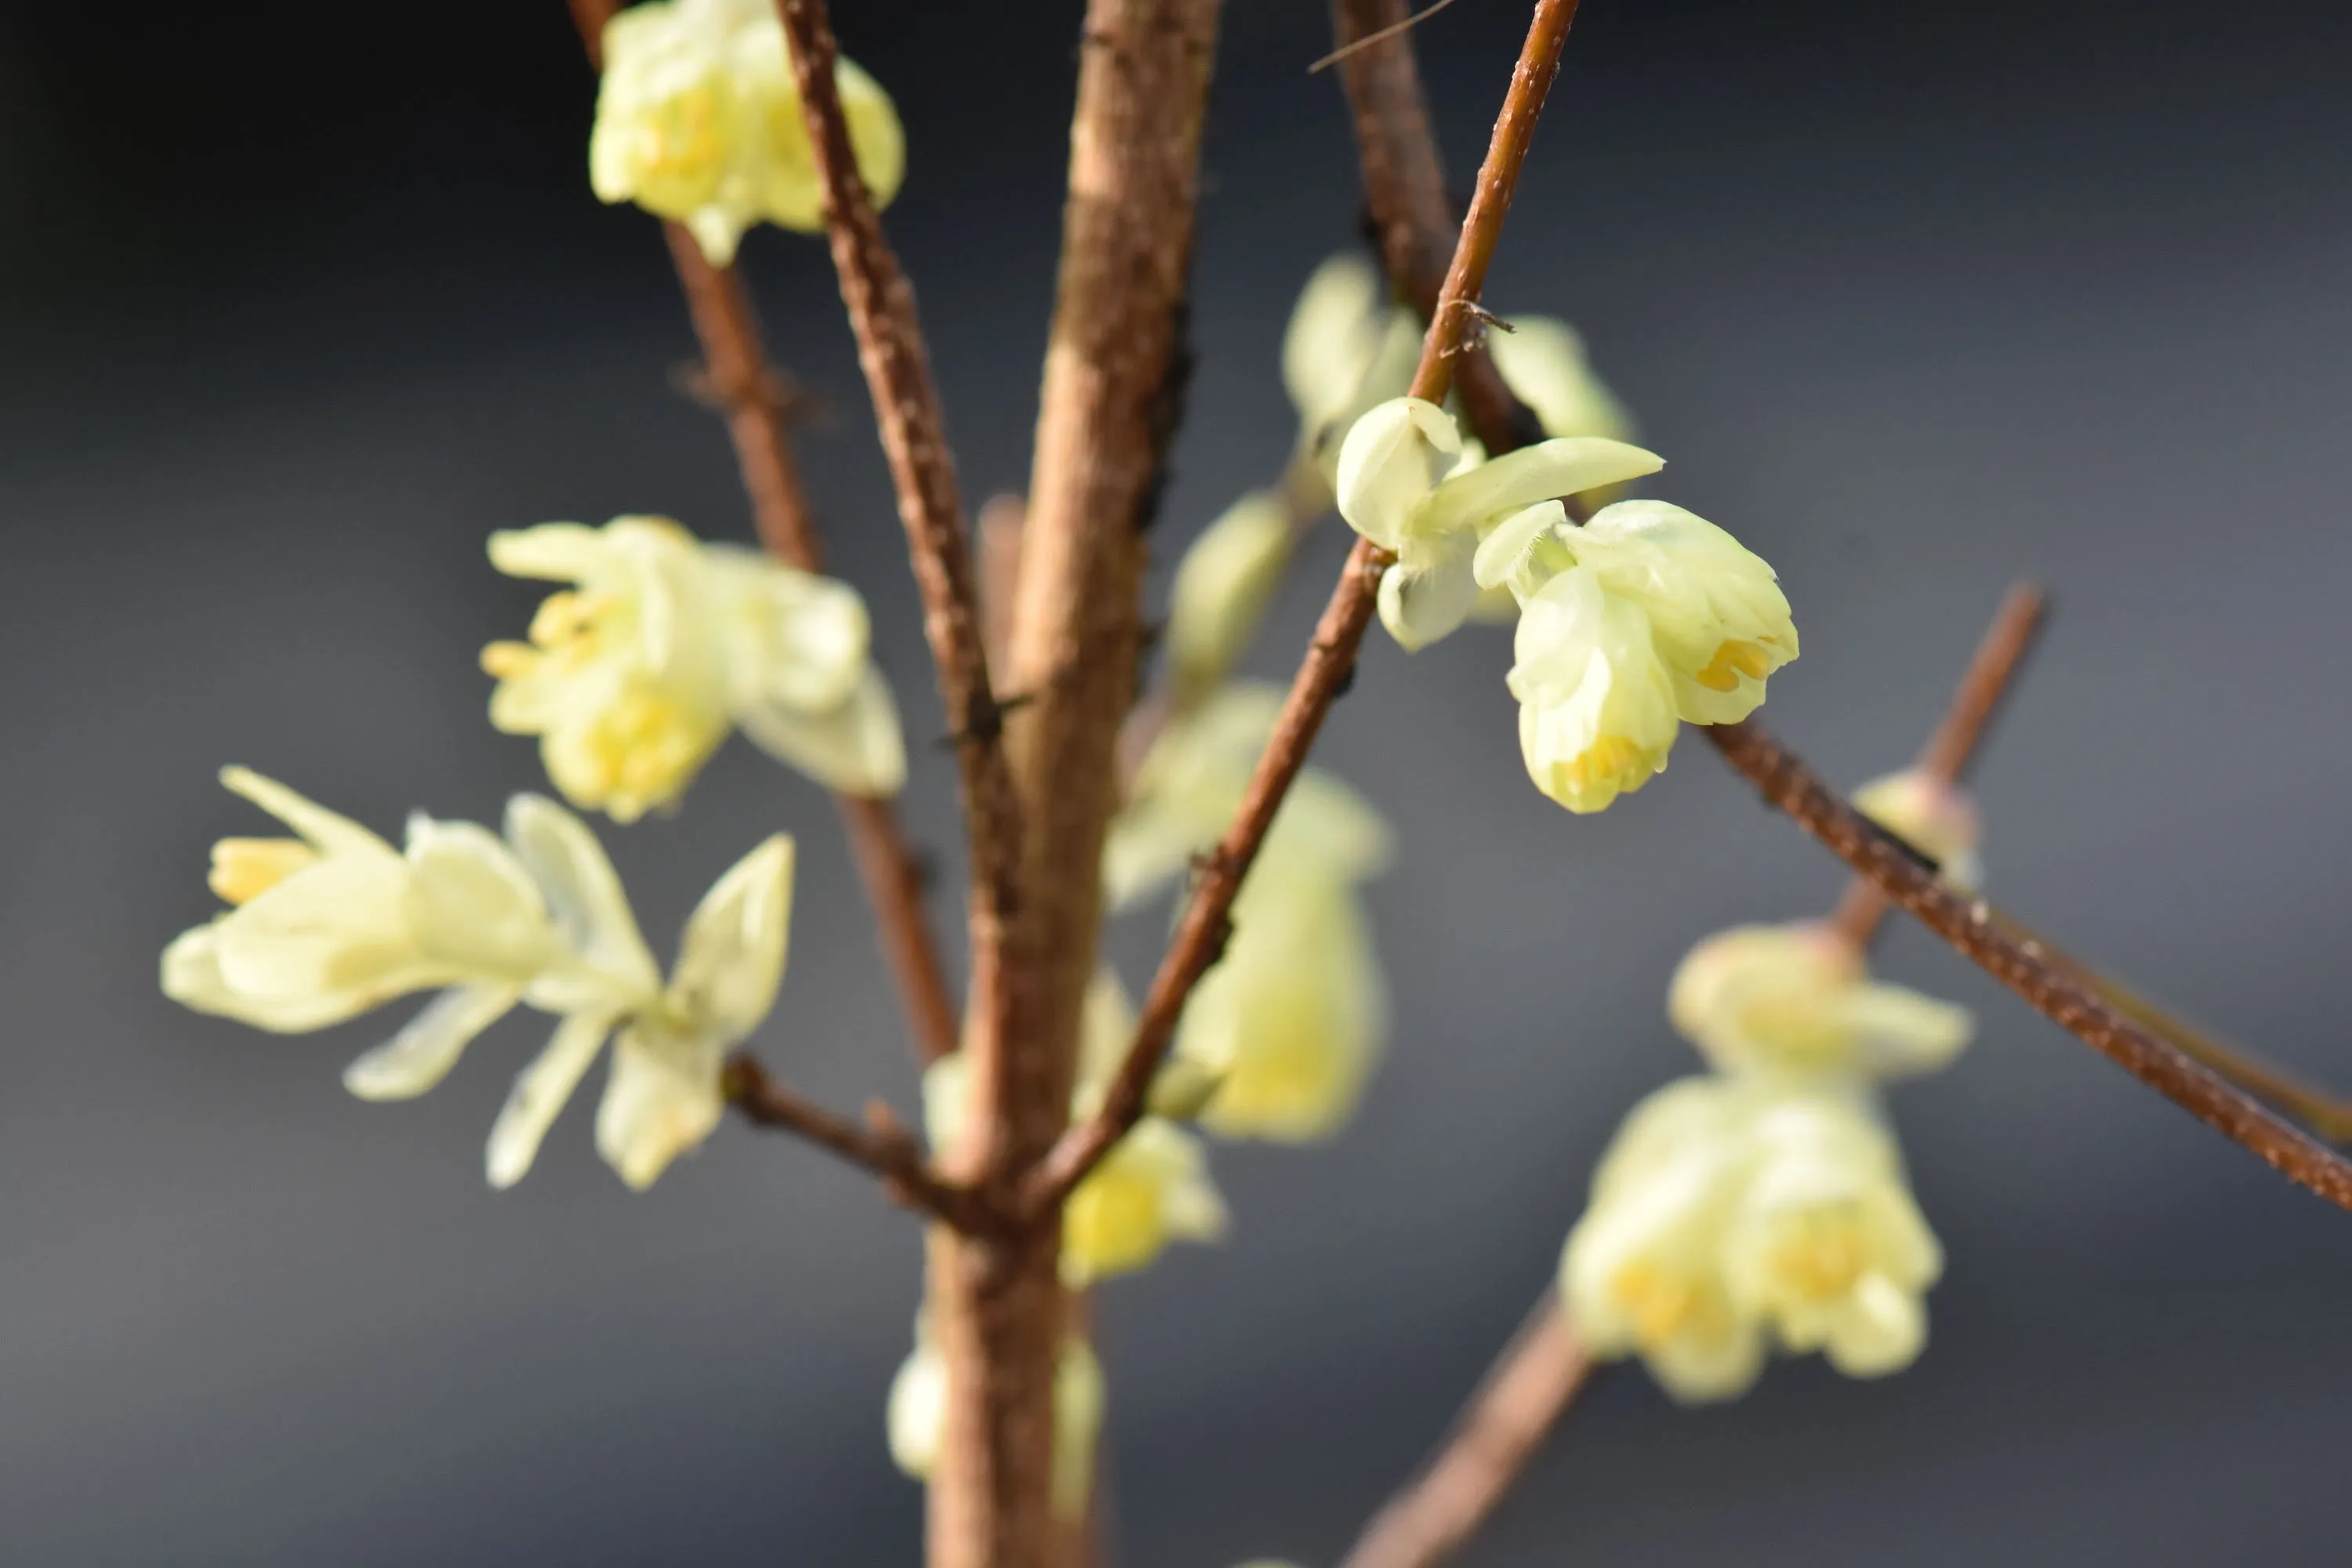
(732, 956)
(550, 551)
(1080, 1396)
(1222, 587)
(1325, 346)
(324, 830)
(1506, 545)
(192, 977)
(857, 748)
(539, 1093)
(1542, 359)
(1881, 1331)
(662, 1100)
(1389, 463)
(917, 1414)
(582, 890)
(471, 901)
(429, 1044)
(1427, 593)
(1542, 472)
(1902, 1032)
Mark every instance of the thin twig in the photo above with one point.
(741, 380)
(1506, 1421)
(1330, 658)
(1945, 759)
(906, 406)
(1394, 30)
(1980, 934)
(881, 1145)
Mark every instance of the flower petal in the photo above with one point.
(429, 1044)
(1545, 471)
(856, 748)
(1390, 463)
(662, 1100)
(1427, 593)
(1506, 545)
(540, 1092)
(581, 888)
(732, 957)
(324, 830)
(550, 551)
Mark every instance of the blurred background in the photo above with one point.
(1916, 298)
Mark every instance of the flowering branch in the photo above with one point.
(1499, 1431)
(914, 439)
(1981, 935)
(1330, 658)
(1945, 758)
(881, 1146)
(746, 389)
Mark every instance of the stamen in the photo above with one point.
(245, 868)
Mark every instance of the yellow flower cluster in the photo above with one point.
(335, 921)
(634, 677)
(698, 121)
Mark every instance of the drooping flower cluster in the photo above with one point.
(1290, 1021)
(1643, 617)
(634, 678)
(699, 120)
(1152, 1188)
(1767, 1203)
(335, 921)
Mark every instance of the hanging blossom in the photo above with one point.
(1645, 616)
(918, 1416)
(1222, 586)
(1152, 1189)
(699, 120)
(1933, 817)
(1404, 484)
(1291, 1020)
(1348, 346)
(334, 923)
(1731, 1214)
(633, 678)
(1799, 999)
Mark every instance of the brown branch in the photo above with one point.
(1945, 758)
(1404, 188)
(881, 1145)
(1201, 935)
(1980, 934)
(1506, 1421)
(906, 406)
(745, 387)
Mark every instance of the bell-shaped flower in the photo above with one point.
(634, 678)
(1798, 1000)
(1401, 486)
(1826, 1242)
(1221, 589)
(1642, 1271)
(1596, 704)
(918, 1416)
(1152, 1189)
(699, 120)
(337, 921)
(1542, 359)
(1934, 818)
(1348, 346)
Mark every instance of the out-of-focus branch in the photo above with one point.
(749, 391)
(1404, 188)
(914, 439)
(1945, 758)
(881, 1145)
(1330, 658)
(1980, 934)
(1499, 1430)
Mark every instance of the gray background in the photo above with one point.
(1915, 299)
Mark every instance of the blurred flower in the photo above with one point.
(1934, 818)
(633, 680)
(1542, 359)
(1596, 705)
(1290, 1021)
(918, 1416)
(699, 120)
(1798, 999)
(1401, 485)
(1348, 347)
(1222, 586)
(1728, 1213)
(336, 923)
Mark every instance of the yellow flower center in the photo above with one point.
(681, 144)
(1733, 659)
(1666, 1305)
(245, 868)
(570, 630)
(637, 751)
(1609, 757)
(1821, 1256)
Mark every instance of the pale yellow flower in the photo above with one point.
(1348, 346)
(1596, 704)
(1798, 999)
(917, 1417)
(336, 923)
(1221, 586)
(1290, 1022)
(699, 120)
(1542, 359)
(1729, 1214)
(1826, 1242)
(633, 678)
(1935, 818)
(1401, 485)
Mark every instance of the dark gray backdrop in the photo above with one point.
(296, 308)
